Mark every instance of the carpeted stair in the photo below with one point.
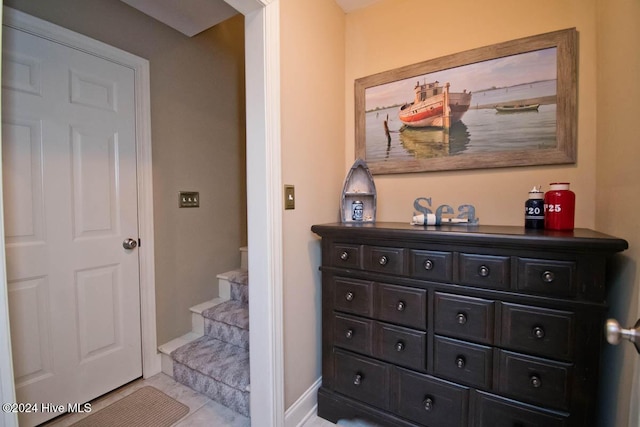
(217, 363)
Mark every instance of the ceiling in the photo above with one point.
(351, 5)
(191, 17)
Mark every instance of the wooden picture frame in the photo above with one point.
(534, 124)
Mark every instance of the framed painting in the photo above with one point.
(504, 105)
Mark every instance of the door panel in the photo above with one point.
(69, 177)
(22, 156)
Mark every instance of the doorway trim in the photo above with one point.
(38, 27)
(264, 208)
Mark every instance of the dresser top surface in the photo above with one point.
(579, 239)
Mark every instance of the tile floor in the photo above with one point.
(317, 422)
(203, 412)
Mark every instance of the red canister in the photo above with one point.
(559, 207)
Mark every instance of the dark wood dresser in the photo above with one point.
(480, 326)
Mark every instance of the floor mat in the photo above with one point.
(147, 407)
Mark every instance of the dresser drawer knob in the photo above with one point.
(461, 318)
(401, 306)
(428, 265)
(538, 332)
(383, 260)
(349, 296)
(483, 271)
(548, 276)
(349, 334)
(428, 404)
(536, 382)
(357, 380)
(399, 346)
(460, 362)
(344, 255)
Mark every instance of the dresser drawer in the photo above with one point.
(430, 401)
(353, 333)
(493, 411)
(362, 378)
(401, 305)
(546, 276)
(535, 380)
(353, 296)
(537, 330)
(382, 259)
(401, 346)
(345, 255)
(486, 271)
(463, 362)
(464, 317)
(432, 265)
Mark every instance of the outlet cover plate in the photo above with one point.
(289, 197)
(189, 199)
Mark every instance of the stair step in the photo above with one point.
(166, 361)
(197, 321)
(215, 368)
(228, 322)
(213, 358)
(234, 313)
(234, 284)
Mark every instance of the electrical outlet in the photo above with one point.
(189, 199)
(289, 197)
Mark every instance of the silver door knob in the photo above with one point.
(615, 333)
(129, 243)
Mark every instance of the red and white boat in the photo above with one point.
(427, 109)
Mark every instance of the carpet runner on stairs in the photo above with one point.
(217, 364)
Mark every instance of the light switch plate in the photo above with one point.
(289, 197)
(189, 199)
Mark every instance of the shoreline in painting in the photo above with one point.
(542, 100)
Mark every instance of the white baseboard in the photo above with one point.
(303, 408)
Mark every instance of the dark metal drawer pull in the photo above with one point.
(383, 260)
(401, 306)
(344, 255)
(428, 404)
(399, 346)
(536, 382)
(538, 332)
(461, 318)
(548, 276)
(483, 271)
(358, 379)
(349, 334)
(460, 362)
(428, 265)
(349, 296)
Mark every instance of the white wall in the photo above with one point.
(390, 34)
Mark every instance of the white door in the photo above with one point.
(69, 172)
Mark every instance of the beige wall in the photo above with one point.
(312, 100)
(618, 189)
(197, 125)
(606, 177)
(394, 33)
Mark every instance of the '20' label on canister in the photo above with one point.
(533, 212)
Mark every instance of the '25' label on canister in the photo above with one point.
(553, 208)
